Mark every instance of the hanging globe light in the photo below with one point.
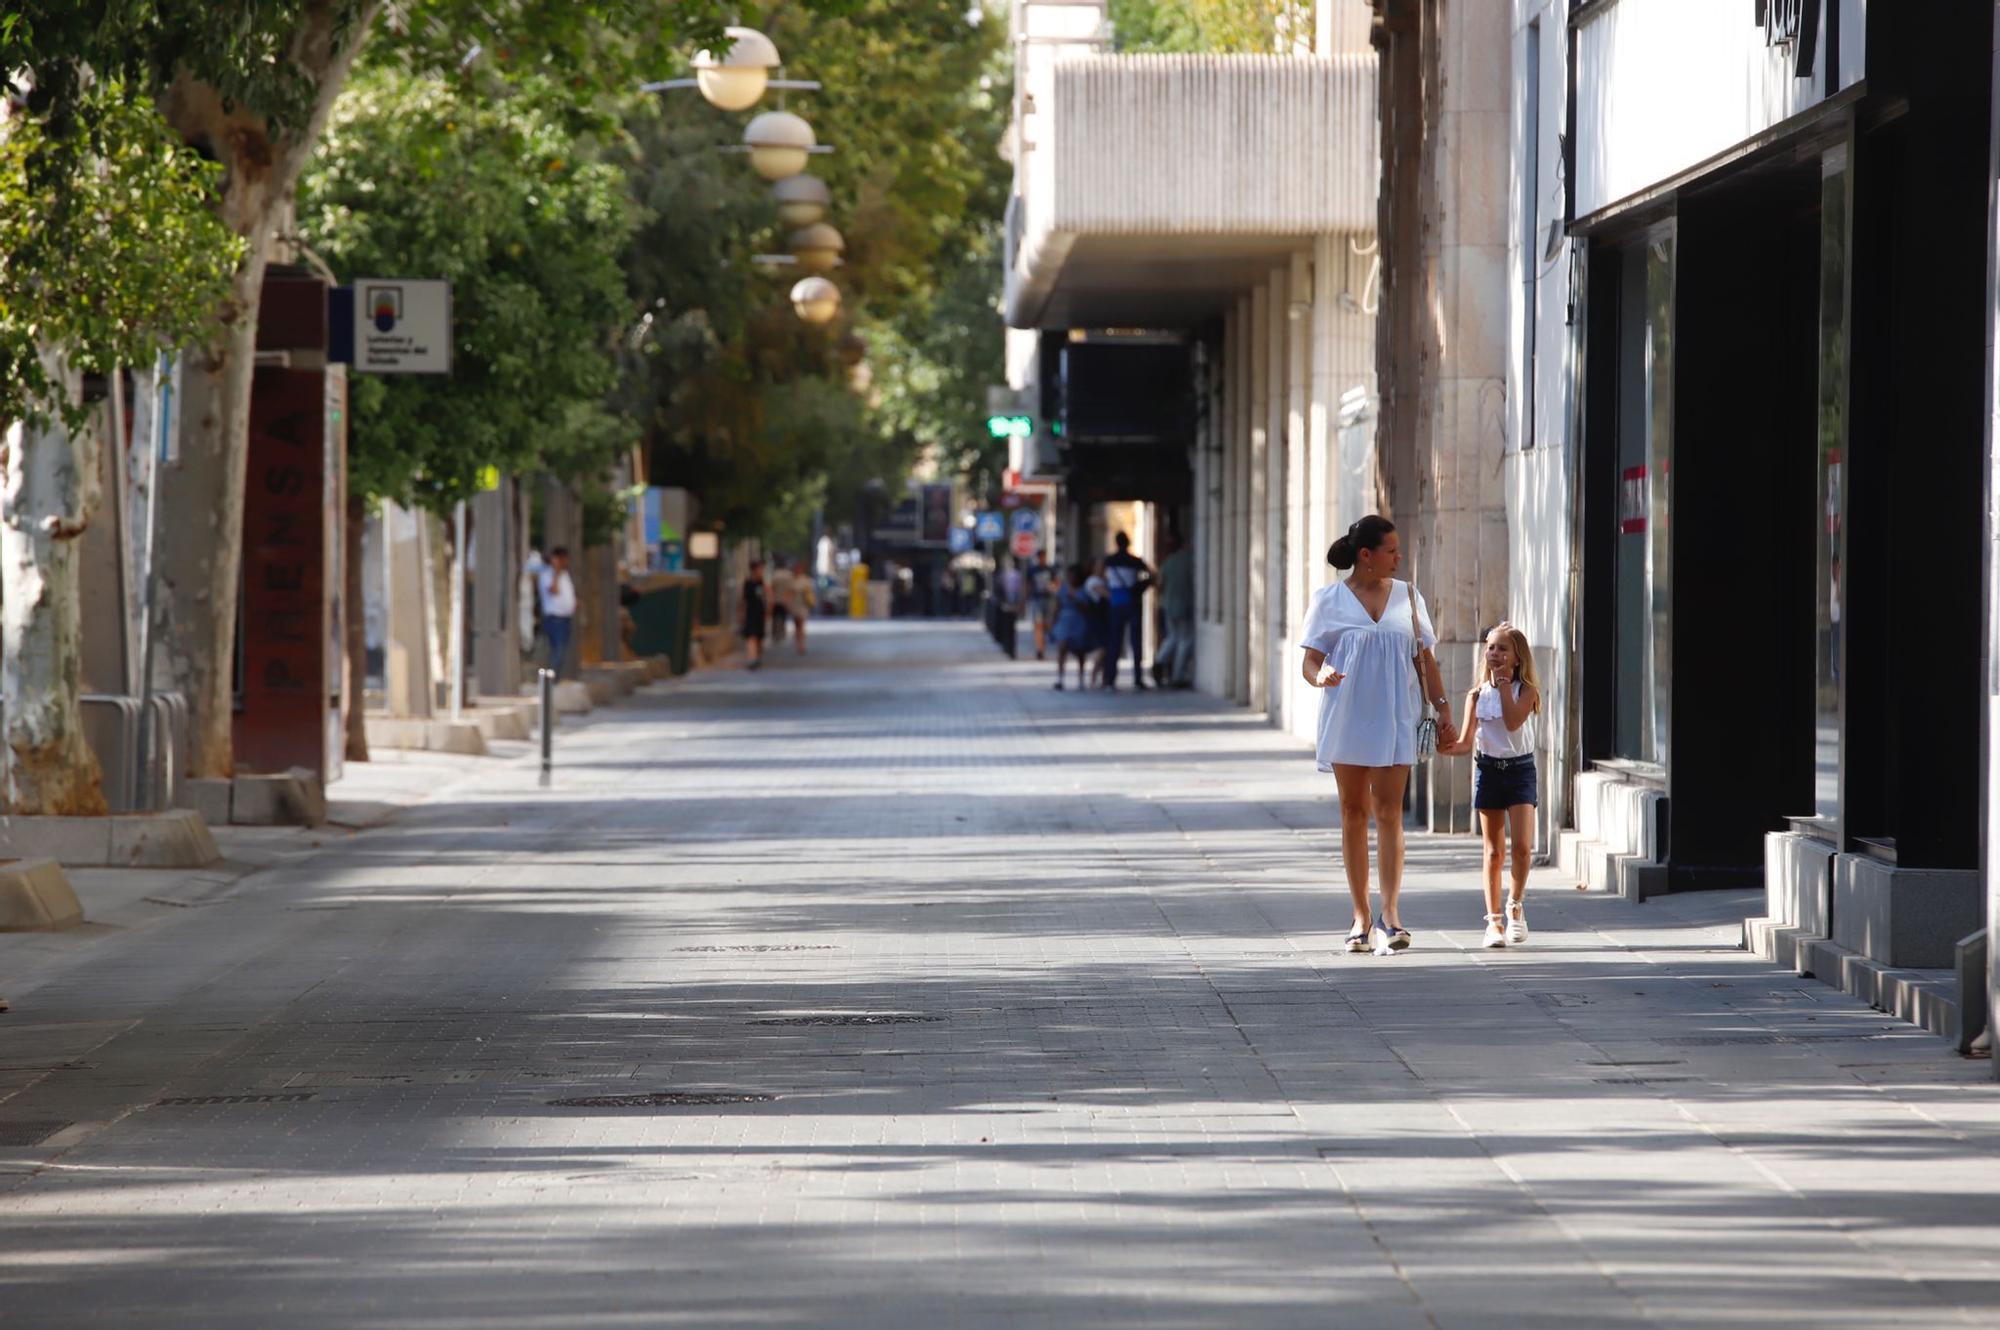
(802, 199)
(815, 300)
(817, 247)
(735, 79)
(779, 143)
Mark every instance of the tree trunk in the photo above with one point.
(200, 569)
(48, 487)
(355, 688)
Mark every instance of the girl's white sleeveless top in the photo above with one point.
(1492, 736)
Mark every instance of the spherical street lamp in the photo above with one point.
(815, 300)
(802, 199)
(737, 78)
(779, 143)
(818, 247)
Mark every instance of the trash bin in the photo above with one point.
(663, 617)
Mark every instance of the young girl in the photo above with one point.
(1499, 732)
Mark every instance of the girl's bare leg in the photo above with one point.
(1521, 831)
(1353, 786)
(1493, 833)
(1385, 790)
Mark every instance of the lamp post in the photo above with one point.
(735, 80)
(818, 247)
(779, 143)
(815, 300)
(802, 199)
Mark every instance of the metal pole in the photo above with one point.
(455, 657)
(165, 405)
(548, 677)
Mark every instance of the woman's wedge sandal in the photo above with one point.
(1395, 937)
(1357, 938)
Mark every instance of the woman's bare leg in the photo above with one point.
(1353, 785)
(1493, 835)
(1385, 790)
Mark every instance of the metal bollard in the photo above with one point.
(548, 724)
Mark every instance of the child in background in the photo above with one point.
(1499, 732)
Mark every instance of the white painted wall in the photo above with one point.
(1537, 469)
(1663, 85)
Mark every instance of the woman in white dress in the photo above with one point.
(1367, 644)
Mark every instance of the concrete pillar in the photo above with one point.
(1237, 497)
(495, 557)
(1276, 546)
(1255, 692)
(410, 686)
(1323, 403)
(1302, 701)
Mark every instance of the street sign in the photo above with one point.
(961, 539)
(992, 526)
(402, 327)
(1027, 520)
(1024, 544)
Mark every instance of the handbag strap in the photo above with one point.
(1417, 649)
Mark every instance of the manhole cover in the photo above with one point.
(768, 946)
(28, 1133)
(852, 1018)
(658, 1099)
(219, 1100)
(1640, 1062)
(1559, 999)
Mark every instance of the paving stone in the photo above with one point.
(888, 988)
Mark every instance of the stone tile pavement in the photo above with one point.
(889, 988)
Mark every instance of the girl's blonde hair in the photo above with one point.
(1524, 660)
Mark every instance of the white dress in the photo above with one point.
(1370, 720)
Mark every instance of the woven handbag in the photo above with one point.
(1427, 726)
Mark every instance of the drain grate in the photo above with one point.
(219, 1100)
(768, 946)
(658, 1099)
(28, 1133)
(851, 1018)
(1717, 1040)
(1644, 1080)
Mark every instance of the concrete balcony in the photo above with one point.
(1152, 190)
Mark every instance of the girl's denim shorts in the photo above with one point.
(1502, 782)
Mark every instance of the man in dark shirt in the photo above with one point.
(756, 614)
(1128, 578)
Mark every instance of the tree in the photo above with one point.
(1244, 26)
(108, 253)
(250, 84)
(762, 417)
(496, 196)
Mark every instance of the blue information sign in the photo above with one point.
(1027, 520)
(961, 539)
(992, 526)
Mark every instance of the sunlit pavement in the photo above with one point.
(954, 1001)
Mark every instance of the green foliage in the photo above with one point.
(764, 418)
(1241, 26)
(418, 177)
(108, 249)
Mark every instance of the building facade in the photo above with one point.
(1746, 473)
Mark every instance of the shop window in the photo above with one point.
(1645, 463)
(1831, 504)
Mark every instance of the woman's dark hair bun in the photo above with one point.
(1365, 534)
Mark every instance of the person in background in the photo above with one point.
(1098, 593)
(1042, 601)
(755, 617)
(1128, 578)
(558, 598)
(1072, 632)
(804, 598)
(1173, 665)
(784, 598)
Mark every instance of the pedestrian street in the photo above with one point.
(888, 987)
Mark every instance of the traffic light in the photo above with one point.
(1010, 427)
